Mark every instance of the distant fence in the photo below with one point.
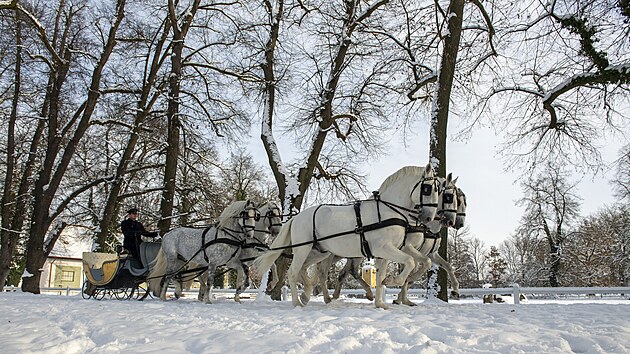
(514, 290)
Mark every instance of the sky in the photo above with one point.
(69, 324)
(491, 192)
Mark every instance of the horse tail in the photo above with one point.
(263, 263)
(157, 272)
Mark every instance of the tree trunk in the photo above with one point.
(8, 236)
(172, 113)
(48, 181)
(439, 120)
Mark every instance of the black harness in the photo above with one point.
(361, 229)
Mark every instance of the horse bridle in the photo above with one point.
(244, 215)
(463, 196)
(448, 198)
(270, 214)
(426, 188)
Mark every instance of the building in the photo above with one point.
(64, 267)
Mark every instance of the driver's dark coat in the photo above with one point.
(133, 231)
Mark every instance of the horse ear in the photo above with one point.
(428, 170)
(455, 180)
(449, 178)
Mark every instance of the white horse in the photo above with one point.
(268, 224)
(446, 215)
(212, 247)
(374, 227)
(428, 244)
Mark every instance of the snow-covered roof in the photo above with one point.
(72, 242)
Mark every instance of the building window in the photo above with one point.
(67, 276)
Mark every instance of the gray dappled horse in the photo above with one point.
(267, 228)
(220, 244)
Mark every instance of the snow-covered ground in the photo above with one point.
(69, 324)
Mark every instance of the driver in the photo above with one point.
(133, 231)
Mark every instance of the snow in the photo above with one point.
(61, 324)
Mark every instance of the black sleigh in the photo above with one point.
(118, 276)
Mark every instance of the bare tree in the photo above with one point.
(151, 88)
(478, 253)
(525, 254)
(62, 137)
(597, 250)
(621, 182)
(462, 257)
(329, 101)
(563, 82)
(8, 236)
(551, 206)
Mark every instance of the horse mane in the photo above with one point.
(232, 210)
(269, 205)
(400, 174)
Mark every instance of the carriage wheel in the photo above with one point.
(99, 294)
(123, 293)
(142, 292)
(84, 289)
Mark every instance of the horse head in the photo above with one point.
(461, 209)
(424, 195)
(241, 214)
(447, 201)
(271, 216)
(248, 217)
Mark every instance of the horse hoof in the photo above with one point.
(455, 295)
(382, 306)
(396, 302)
(409, 303)
(304, 299)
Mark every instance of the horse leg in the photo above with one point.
(207, 297)
(324, 268)
(308, 283)
(241, 281)
(293, 274)
(422, 261)
(202, 285)
(354, 271)
(179, 288)
(341, 277)
(381, 272)
(314, 257)
(435, 257)
(173, 265)
(421, 268)
(402, 294)
(392, 253)
(274, 277)
(166, 280)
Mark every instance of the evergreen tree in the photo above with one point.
(497, 267)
